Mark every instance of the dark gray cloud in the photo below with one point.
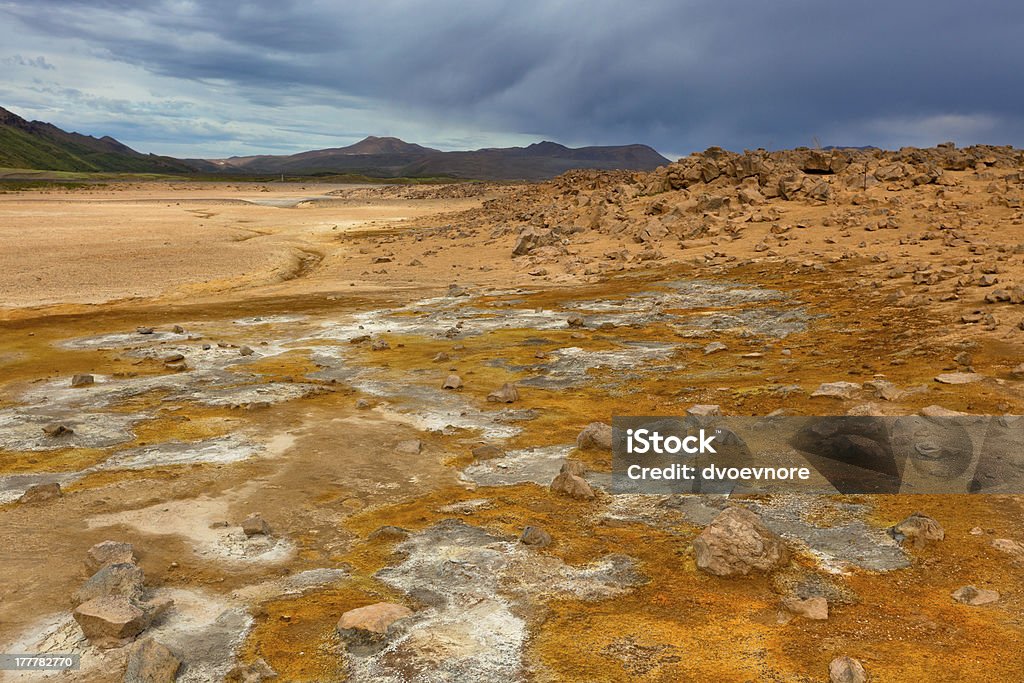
(677, 75)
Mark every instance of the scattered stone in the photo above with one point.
(110, 621)
(362, 404)
(389, 533)
(150, 662)
(508, 393)
(919, 529)
(487, 452)
(173, 358)
(939, 411)
(958, 377)
(107, 553)
(254, 525)
(811, 608)
(442, 357)
(245, 351)
(371, 625)
(178, 329)
(969, 595)
(846, 670)
(409, 447)
(379, 345)
(82, 380)
(56, 430)
(453, 382)
(595, 435)
(841, 390)
(704, 410)
(570, 481)
(575, 321)
(41, 493)
(535, 536)
(737, 542)
(256, 672)
(714, 347)
(144, 330)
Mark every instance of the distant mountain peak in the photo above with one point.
(374, 144)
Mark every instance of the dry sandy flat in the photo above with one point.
(137, 241)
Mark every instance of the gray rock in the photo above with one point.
(704, 410)
(840, 390)
(124, 579)
(714, 347)
(82, 380)
(453, 381)
(109, 552)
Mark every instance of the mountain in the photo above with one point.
(39, 145)
(391, 157)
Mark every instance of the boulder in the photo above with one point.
(109, 552)
(453, 381)
(372, 624)
(57, 430)
(82, 380)
(958, 378)
(124, 579)
(704, 410)
(736, 543)
(110, 621)
(40, 493)
(508, 393)
(150, 662)
(596, 435)
(714, 347)
(254, 525)
(572, 486)
(846, 670)
(532, 238)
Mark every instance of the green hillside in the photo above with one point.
(38, 145)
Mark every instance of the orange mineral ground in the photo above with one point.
(279, 350)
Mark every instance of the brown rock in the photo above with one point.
(254, 525)
(846, 670)
(969, 595)
(736, 543)
(82, 380)
(40, 493)
(410, 447)
(487, 452)
(595, 435)
(535, 536)
(371, 624)
(453, 381)
(811, 608)
(573, 486)
(150, 662)
(508, 393)
(256, 672)
(110, 621)
(919, 529)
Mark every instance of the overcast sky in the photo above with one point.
(211, 79)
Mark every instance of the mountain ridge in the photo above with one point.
(44, 146)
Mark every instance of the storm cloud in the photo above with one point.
(209, 79)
